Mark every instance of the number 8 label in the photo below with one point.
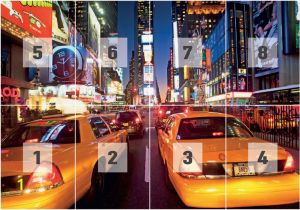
(263, 52)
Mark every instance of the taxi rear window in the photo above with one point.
(56, 132)
(212, 127)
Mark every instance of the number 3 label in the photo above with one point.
(187, 157)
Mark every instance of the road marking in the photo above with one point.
(147, 171)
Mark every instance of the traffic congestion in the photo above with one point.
(158, 152)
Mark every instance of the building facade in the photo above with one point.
(230, 80)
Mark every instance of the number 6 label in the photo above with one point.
(187, 157)
(113, 52)
(263, 156)
(112, 157)
(34, 154)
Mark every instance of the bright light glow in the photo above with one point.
(290, 163)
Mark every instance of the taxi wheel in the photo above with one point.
(97, 184)
(167, 179)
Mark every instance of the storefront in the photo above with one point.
(13, 102)
(49, 97)
(230, 99)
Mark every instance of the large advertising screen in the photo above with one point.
(148, 74)
(60, 26)
(265, 19)
(94, 31)
(147, 38)
(148, 91)
(265, 25)
(32, 16)
(297, 23)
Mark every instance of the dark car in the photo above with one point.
(165, 111)
(131, 121)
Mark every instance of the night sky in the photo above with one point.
(162, 37)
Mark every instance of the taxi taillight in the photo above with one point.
(46, 176)
(289, 164)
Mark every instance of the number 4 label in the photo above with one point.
(263, 156)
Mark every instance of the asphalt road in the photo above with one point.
(131, 190)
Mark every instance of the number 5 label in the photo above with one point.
(187, 157)
(34, 154)
(263, 156)
(37, 52)
(113, 52)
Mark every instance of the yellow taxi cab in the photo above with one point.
(73, 171)
(226, 179)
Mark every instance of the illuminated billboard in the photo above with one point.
(32, 16)
(147, 38)
(94, 31)
(148, 56)
(176, 82)
(60, 27)
(148, 74)
(148, 91)
(265, 25)
(147, 47)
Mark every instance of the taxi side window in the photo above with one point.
(169, 124)
(99, 127)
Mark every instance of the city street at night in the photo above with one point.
(150, 104)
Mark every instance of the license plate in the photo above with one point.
(125, 124)
(243, 169)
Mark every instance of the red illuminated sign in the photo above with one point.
(32, 16)
(10, 92)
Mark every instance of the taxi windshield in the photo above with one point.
(212, 127)
(44, 131)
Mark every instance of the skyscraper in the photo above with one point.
(144, 48)
(192, 19)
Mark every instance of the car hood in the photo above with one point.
(234, 150)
